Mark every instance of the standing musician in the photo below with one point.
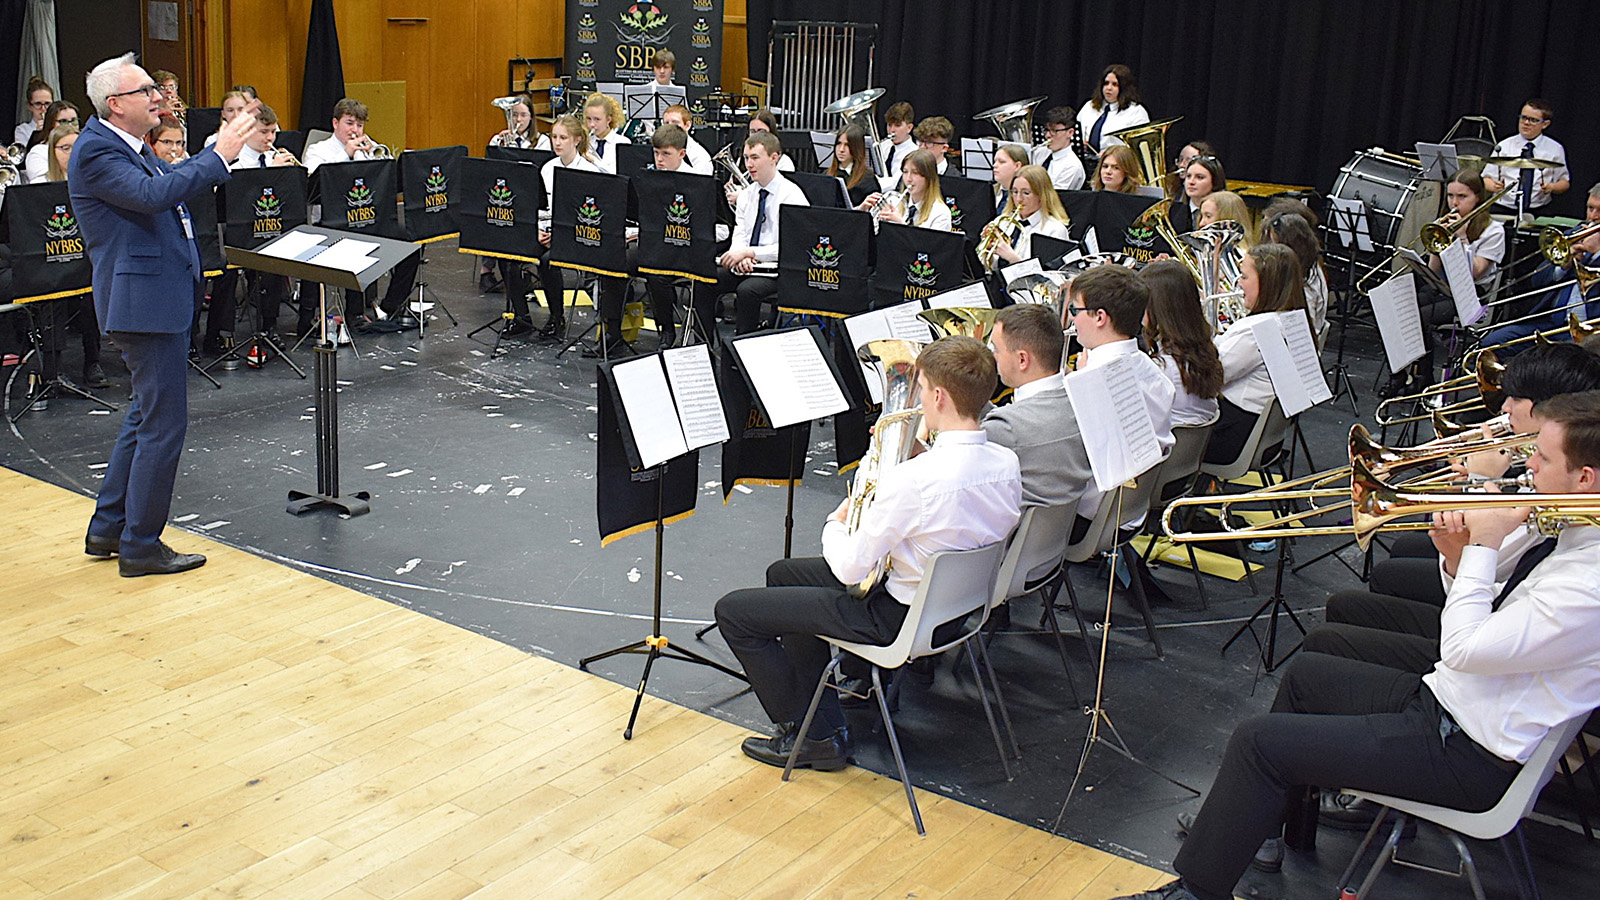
(1035, 200)
(1114, 107)
(757, 215)
(1271, 281)
(1008, 161)
(962, 493)
(521, 134)
(570, 138)
(1534, 187)
(130, 206)
(603, 116)
(1056, 154)
(925, 206)
(1519, 655)
(1202, 176)
(698, 160)
(898, 123)
(1118, 170)
(850, 164)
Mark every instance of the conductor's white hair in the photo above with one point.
(104, 80)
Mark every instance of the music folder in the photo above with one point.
(325, 256)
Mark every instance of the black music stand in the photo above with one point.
(48, 385)
(1349, 223)
(648, 103)
(677, 215)
(389, 253)
(257, 205)
(430, 183)
(618, 427)
(499, 218)
(588, 233)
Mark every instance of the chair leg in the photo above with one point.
(988, 712)
(1577, 796)
(1061, 643)
(999, 699)
(811, 711)
(1249, 574)
(1077, 613)
(1515, 846)
(894, 747)
(1136, 583)
(1199, 583)
(1385, 853)
(1361, 850)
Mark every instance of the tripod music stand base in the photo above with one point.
(653, 648)
(45, 390)
(352, 505)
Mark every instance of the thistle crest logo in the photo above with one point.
(268, 205)
(700, 39)
(359, 194)
(586, 22)
(955, 213)
(921, 272)
(61, 224)
(678, 218)
(585, 66)
(502, 200)
(586, 30)
(823, 271)
(697, 112)
(678, 210)
(436, 191)
(699, 72)
(64, 243)
(1140, 241)
(268, 215)
(587, 229)
(645, 23)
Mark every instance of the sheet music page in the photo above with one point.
(694, 387)
(904, 324)
(651, 414)
(347, 255)
(1091, 242)
(1303, 348)
(1394, 305)
(875, 326)
(1281, 367)
(1458, 272)
(1114, 420)
(822, 146)
(292, 245)
(791, 376)
(974, 294)
(1012, 272)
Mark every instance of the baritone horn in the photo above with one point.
(861, 110)
(961, 321)
(894, 437)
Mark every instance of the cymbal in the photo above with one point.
(1518, 162)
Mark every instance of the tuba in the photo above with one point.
(893, 438)
(861, 110)
(1013, 120)
(1149, 145)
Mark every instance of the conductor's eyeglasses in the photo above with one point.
(148, 90)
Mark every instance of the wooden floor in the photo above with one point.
(250, 731)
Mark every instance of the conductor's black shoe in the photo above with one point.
(1172, 890)
(828, 755)
(518, 326)
(1268, 858)
(166, 562)
(103, 547)
(95, 376)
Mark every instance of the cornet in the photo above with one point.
(275, 152)
(374, 149)
(890, 201)
(1006, 228)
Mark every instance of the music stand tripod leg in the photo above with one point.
(49, 386)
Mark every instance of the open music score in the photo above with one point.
(1291, 357)
(898, 322)
(671, 403)
(1117, 432)
(1394, 306)
(791, 377)
(1457, 261)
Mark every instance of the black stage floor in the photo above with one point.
(483, 515)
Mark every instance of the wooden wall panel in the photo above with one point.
(735, 40)
(258, 51)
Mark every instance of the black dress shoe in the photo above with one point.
(828, 755)
(553, 328)
(95, 376)
(1172, 890)
(518, 327)
(489, 284)
(615, 348)
(166, 562)
(103, 547)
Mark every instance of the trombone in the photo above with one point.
(1579, 330)
(1436, 236)
(1487, 375)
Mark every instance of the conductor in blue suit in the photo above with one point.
(147, 280)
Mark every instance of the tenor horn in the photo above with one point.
(861, 110)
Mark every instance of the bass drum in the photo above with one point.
(1398, 201)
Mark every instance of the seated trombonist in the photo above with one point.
(925, 206)
(1519, 655)
(964, 492)
(1559, 301)
(757, 216)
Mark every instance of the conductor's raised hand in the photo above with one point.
(232, 135)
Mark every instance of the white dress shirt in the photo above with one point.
(780, 192)
(939, 218)
(522, 142)
(1509, 675)
(963, 493)
(1245, 382)
(1317, 303)
(887, 148)
(547, 173)
(36, 164)
(606, 154)
(329, 150)
(1544, 147)
(1118, 119)
(1066, 170)
(248, 159)
(1158, 402)
(1490, 245)
(1039, 224)
(698, 160)
(23, 133)
(1187, 409)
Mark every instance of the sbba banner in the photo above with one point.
(617, 41)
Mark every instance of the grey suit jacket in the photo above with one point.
(1043, 431)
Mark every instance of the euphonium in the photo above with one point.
(1005, 228)
(893, 438)
(961, 321)
(1218, 256)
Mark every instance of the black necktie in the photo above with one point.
(1094, 133)
(1533, 557)
(761, 218)
(911, 214)
(889, 166)
(600, 148)
(261, 161)
(1526, 185)
(1004, 197)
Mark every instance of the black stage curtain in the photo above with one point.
(323, 84)
(12, 81)
(1287, 91)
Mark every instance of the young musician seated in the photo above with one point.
(1180, 339)
(1226, 206)
(896, 145)
(1202, 177)
(570, 138)
(962, 493)
(1118, 170)
(671, 146)
(167, 140)
(37, 160)
(233, 103)
(925, 206)
(850, 164)
(757, 215)
(762, 121)
(80, 309)
(521, 135)
(40, 96)
(663, 65)
(1271, 280)
(349, 142)
(935, 135)
(1531, 188)
(1008, 161)
(603, 116)
(1509, 670)
(1291, 230)
(698, 160)
(1038, 424)
(1106, 307)
(1035, 200)
(166, 82)
(1057, 155)
(1114, 107)
(1559, 301)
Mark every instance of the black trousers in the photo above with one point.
(552, 279)
(751, 293)
(57, 317)
(773, 630)
(1230, 433)
(1336, 723)
(663, 292)
(1389, 631)
(402, 280)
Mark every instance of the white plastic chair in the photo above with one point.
(1269, 433)
(1182, 466)
(955, 584)
(1105, 532)
(1033, 564)
(1501, 822)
